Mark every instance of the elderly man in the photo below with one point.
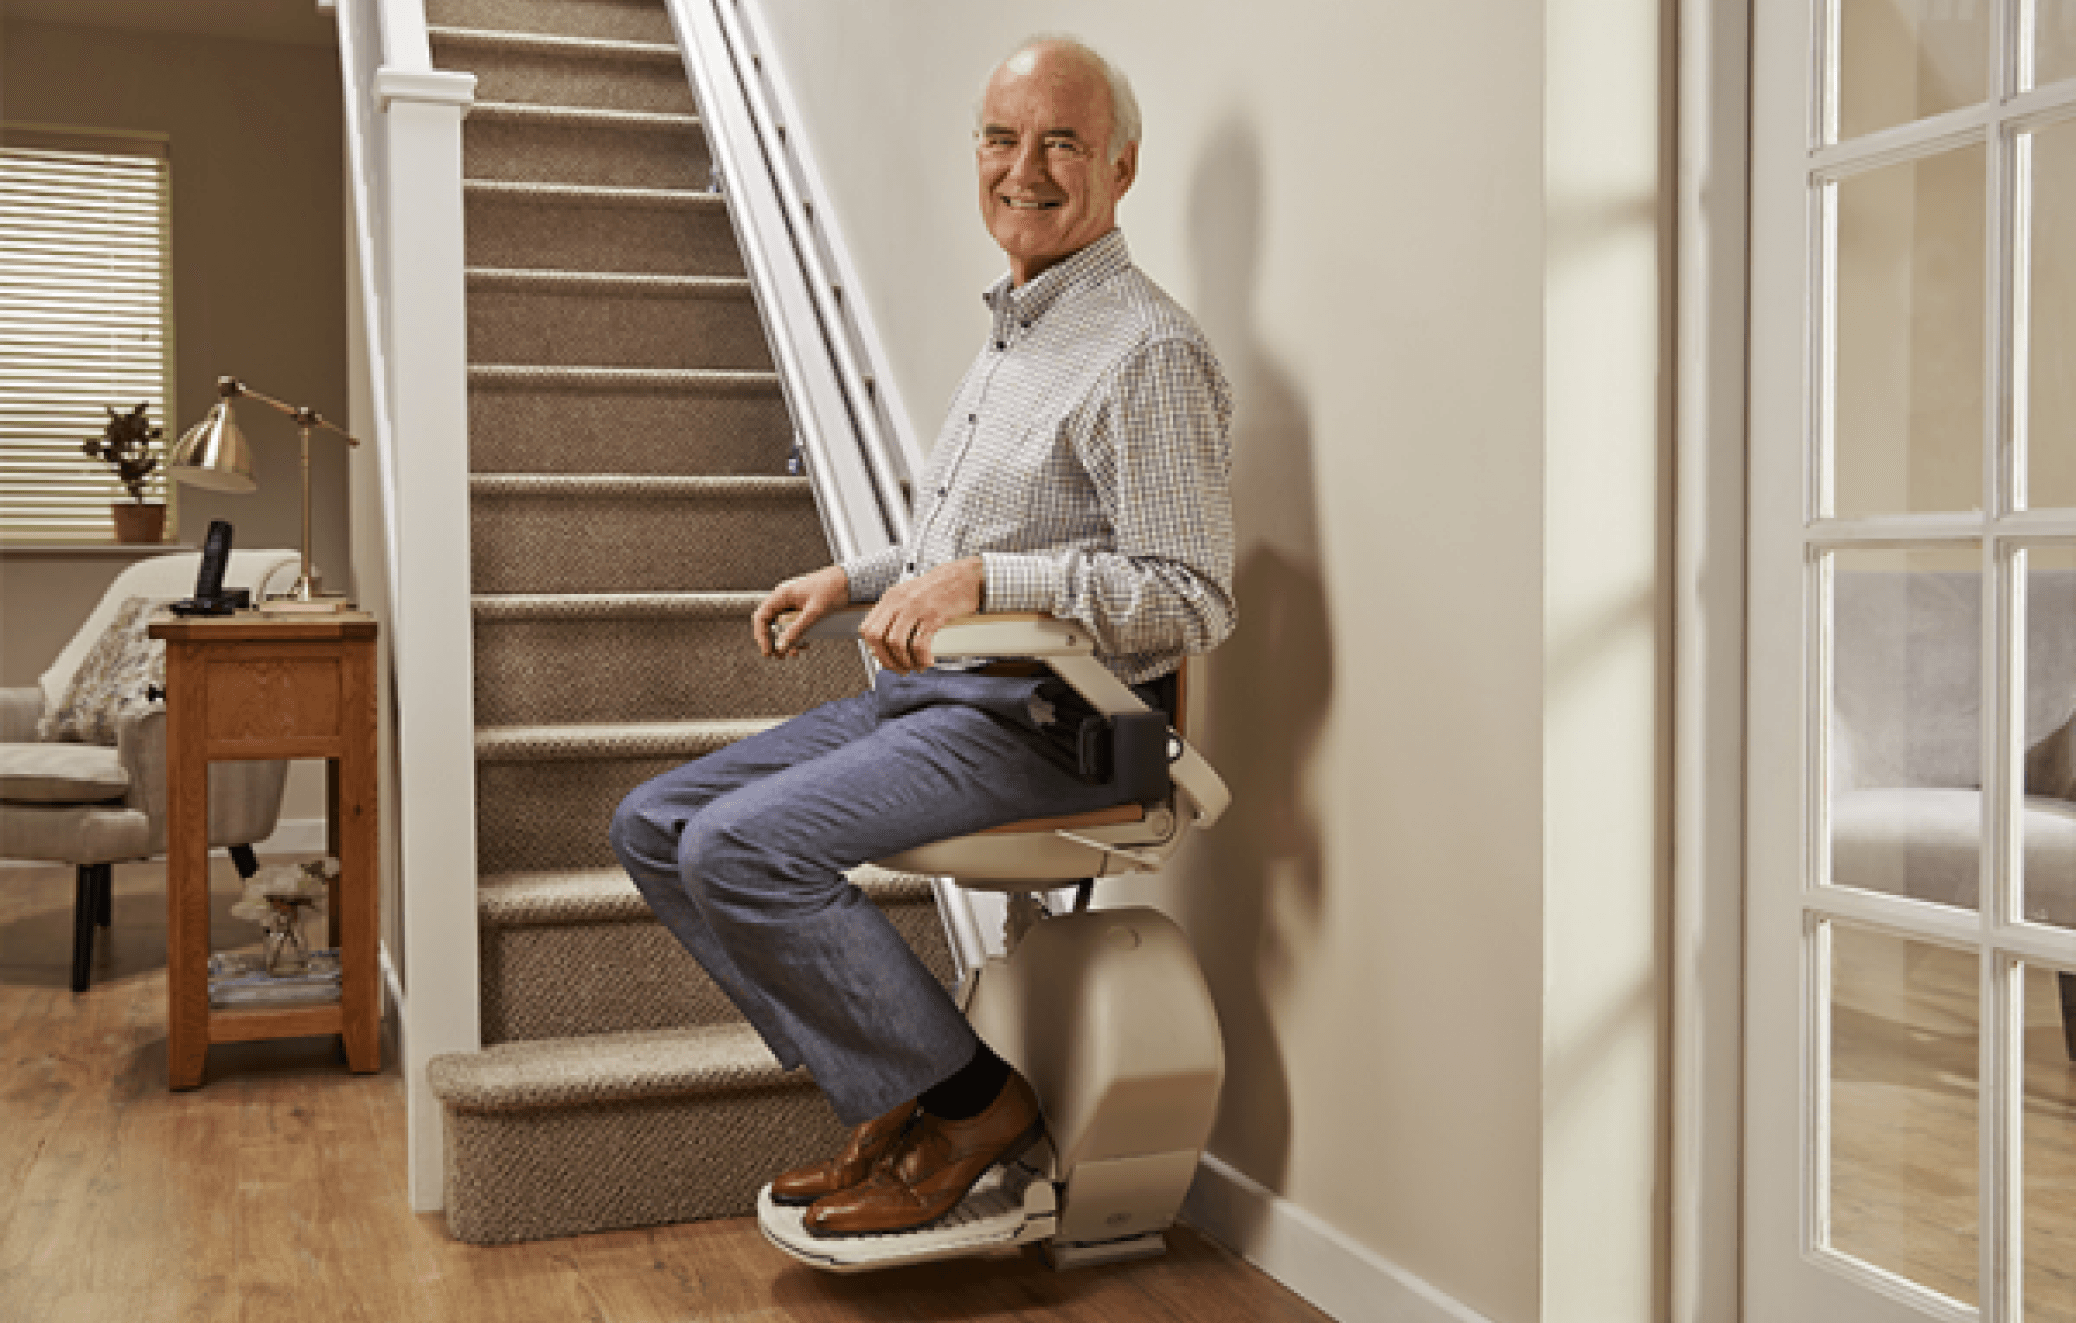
(1082, 471)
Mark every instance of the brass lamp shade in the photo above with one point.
(214, 454)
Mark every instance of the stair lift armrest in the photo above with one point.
(1070, 651)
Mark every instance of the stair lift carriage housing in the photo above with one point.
(1104, 1011)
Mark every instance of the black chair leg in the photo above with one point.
(104, 894)
(245, 861)
(2068, 985)
(83, 907)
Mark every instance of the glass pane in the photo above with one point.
(1900, 60)
(1903, 1141)
(2054, 41)
(2049, 829)
(1906, 719)
(2049, 390)
(1907, 408)
(2049, 1186)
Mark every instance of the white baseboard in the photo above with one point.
(1350, 1282)
(294, 836)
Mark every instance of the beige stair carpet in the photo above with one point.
(629, 503)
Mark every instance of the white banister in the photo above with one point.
(404, 148)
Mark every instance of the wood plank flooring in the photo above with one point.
(276, 1191)
(1904, 1120)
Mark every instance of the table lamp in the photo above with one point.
(214, 454)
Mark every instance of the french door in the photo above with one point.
(1910, 1141)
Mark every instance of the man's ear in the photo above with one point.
(1126, 168)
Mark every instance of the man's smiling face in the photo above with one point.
(1048, 187)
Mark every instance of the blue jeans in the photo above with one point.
(742, 854)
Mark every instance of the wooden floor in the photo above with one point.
(276, 1191)
(1903, 1113)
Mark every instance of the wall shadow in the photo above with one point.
(1254, 904)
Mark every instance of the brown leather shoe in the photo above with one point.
(869, 1142)
(933, 1168)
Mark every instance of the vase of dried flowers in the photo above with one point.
(126, 446)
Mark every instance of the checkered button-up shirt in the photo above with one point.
(1085, 460)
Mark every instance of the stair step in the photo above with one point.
(544, 69)
(570, 318)
(544, 658)
(583, 145)
(619, 52)
(537, 115)
(729, 426)
(533, 223)
(570, 898)
(606, 380)
(554, 1137)
(524, 280)
(579, 952)
(573, 533)
(679, 741)
(607, 20)
(545, 795)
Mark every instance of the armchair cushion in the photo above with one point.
(2051, 764)
(74, 833)
(61, 774)
(113, 680)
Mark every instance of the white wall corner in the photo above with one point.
(1349, 1281)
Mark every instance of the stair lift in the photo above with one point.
(1104, 1011)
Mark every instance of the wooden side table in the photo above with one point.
(260, 687)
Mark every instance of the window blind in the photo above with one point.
(83, 322)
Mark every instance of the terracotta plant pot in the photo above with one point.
(138, 523)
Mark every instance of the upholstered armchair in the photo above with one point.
(1906, 743)
(92, 791)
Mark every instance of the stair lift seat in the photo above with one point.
(1105, 1012)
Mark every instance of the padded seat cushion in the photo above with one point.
(74, 833)
(61, 774)
(1924, 843)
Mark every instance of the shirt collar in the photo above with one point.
(1085, 269)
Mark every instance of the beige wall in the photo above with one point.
(258, 282)
(1432, 918)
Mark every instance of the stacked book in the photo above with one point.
(240, 978)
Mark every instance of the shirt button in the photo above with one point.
(972, 417)
(944, 491)
(911, 567)
(1001, 344)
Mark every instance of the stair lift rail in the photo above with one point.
(856, 458)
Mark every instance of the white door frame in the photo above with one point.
(1713, 277)
(1788, 374)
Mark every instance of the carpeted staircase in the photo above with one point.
(628, 446)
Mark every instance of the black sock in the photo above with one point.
(967, 1092)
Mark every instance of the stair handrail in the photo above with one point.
(403, 129)
(861, 455)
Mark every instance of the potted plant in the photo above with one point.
(127, 447)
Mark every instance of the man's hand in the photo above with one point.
(900, 627)
(813, 595)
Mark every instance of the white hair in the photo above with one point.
(1124, 107)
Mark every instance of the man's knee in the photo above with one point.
(640, 841)
(751, 871)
